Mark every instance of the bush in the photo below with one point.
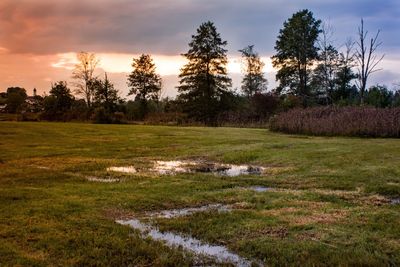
(100, 115)
(103, 116)
(166, 118)
(345, 121)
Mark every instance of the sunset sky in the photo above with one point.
(39, 38)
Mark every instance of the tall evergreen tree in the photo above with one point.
(296, 53)
(203, 80)
(253, 80)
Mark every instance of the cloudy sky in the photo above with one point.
(39, 38)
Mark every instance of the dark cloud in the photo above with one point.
(165, 26)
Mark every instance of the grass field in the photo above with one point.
(330, 202)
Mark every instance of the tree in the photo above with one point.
(396, 98)
(253, 81)
(345, 74)
(105, 95)
(324, 75)
(15, 98)
(296, 53)
(143, 81)
(58, 102)
(379, 96)
(366, 57)
(63, 96)
(84, 75)
(203, 80)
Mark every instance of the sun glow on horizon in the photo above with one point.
(165, 65)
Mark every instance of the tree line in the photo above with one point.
(311, 71)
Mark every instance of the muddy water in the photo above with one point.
(189, 211)
(219, 253)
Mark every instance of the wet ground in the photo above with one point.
(260, 189)
(395, 201)
(175, 167)
(127, 169)
(219, 253)
(189, 211)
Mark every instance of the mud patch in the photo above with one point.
(219, 253)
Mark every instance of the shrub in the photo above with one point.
(345, 121)
(100, 115)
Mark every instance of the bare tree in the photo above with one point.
(366, 58)
(84, 75)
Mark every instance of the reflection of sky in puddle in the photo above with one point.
(219, 253)
(259, 189)
(101, 180)
(395, 201)
(128, 169)
(188, 211)
(171, 167)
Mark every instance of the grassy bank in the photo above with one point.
(329, 203)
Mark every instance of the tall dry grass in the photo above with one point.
(339, 121)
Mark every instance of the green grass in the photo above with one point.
(329, 207)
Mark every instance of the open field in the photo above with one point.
(331, 201)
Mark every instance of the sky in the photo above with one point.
(39, 39)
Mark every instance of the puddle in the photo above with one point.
(189, 211)
(219, 253)
(172, 167)
(260, 189)
(101, 180)
(178, 166)
(395, 201)
(41, 167)
(128, 169)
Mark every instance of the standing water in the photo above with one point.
(219, 253)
